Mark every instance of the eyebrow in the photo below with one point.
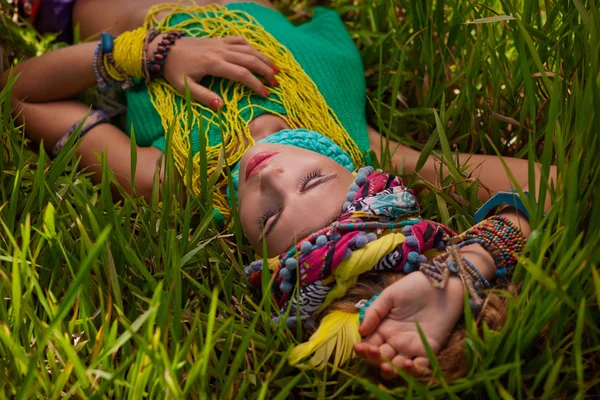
(302, 190)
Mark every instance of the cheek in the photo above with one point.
(248, 215)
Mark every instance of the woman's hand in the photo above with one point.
(231, 58)
(392, 340)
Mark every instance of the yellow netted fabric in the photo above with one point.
(304, 105)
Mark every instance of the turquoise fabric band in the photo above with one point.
(505, 198)
(304, 139)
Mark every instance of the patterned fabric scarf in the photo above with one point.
(379, 230)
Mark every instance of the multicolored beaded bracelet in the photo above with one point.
(102, 78)
(155, 66)
(498, 236)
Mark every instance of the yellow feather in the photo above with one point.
(338, 332)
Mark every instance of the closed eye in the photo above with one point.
(268, 220)
(316, 181)
(311, 176)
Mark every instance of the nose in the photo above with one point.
(272, 180)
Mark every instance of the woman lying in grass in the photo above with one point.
(254, 77)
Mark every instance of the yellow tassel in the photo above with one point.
(338, 332)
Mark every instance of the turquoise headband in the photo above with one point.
(304, 139)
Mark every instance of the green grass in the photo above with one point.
(149, 300)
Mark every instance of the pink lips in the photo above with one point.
(257, 162)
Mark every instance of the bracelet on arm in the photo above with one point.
(507, 198)
(498, 236)
(102, 79)
(150, 36)
(108, 44)
(155, 66)
(85, 124)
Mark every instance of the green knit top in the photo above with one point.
(321, 46)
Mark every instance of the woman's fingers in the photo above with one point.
(239, 44)
(203, 95)
(254, 64)
(420, 365)
(376, 312)
(388, 370)
(251, 51)
(235, 40)
(240, 74)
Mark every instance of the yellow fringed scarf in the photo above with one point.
(305, 106)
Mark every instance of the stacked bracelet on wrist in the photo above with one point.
(155, 66)
(110, 74)
(498, 236)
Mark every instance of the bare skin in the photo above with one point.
(42, 98)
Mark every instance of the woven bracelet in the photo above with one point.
(92, 120)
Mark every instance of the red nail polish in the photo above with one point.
(266, 92)
(215, 104)
(275, 82)
(275, 69)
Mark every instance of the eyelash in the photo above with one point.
(311, 175)
(266, 216)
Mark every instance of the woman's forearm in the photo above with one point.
(59, 75)
(488, 170)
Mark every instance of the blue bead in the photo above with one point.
(108, 43)
(412, 241)
(360, 180)
(306, 247)
(291, 263)
(354, 188)
(347, 254)
(350, 196)
(253, 267)
(336, 237)
(346, 205)
(413, 257)
(422, 259)
(321, 241)
(408, 268)
(286, 286)
(291, 322)
(478, 286)
(453, 267)
(371, 236)
(407, 230)
(366, 170)
(501, 272)
(361, 241)
(285, 273)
